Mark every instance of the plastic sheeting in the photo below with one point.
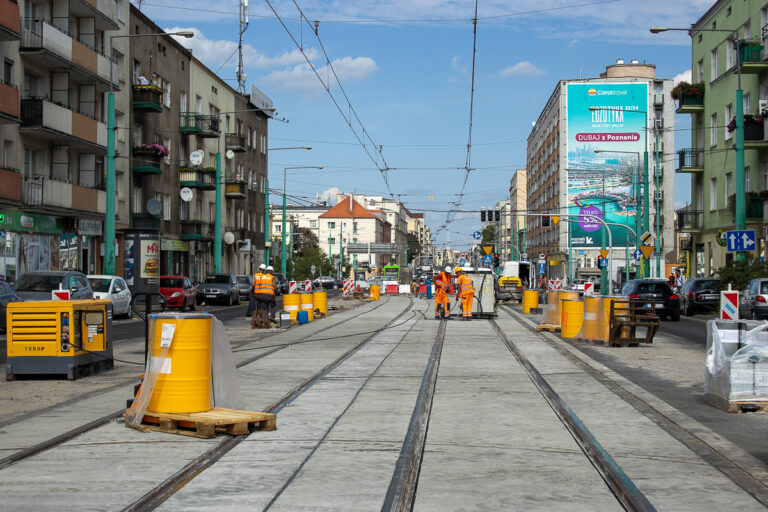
(737, 360)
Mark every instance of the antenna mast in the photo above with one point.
(243, 26)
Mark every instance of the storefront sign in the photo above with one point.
(20, 221)
(89, 227)
(174, 245)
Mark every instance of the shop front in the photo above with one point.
(174, 257)
(28, 242)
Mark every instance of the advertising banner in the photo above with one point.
(142, 259)
(605, 158)
(150, 259)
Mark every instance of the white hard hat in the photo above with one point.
(262, 267)
(270, 267)
(448, 270)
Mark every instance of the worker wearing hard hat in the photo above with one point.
(273, 283)
(442, 285)
(465, 292)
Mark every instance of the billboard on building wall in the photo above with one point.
(604, 158)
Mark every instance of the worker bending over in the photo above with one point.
(263, 289)
(442, 285)
(465, 293)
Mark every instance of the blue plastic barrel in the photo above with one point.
(303, 317)
(429, 288)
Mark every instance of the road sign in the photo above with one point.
(737, 241)
(637, 254)
(313, 269)
(647, 238)
(720, 237)
(604, 253)
(487, 248)
(59, 294)
(487, 260)
(729, 305)
(555, 219)
(542, 256)
(477, 235)
(349, 287)
(463, 256)
(589, 288)
(292, 286)
(308, 285)
(646, 250)
(542, 268)
(462, 262)
(524, 256)
(603, 263)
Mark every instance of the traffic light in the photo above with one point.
(599, 261)
(482, 214)
(496, 258)
(498, 215)
(545, 221)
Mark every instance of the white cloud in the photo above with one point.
(522, 68)
(329, 195)
(685, 76)
(457, 66)
(302, 79)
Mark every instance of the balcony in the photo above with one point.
(48, 193)
(754, 134)
(690, 105)
(146, 160)
(53, 47)
(9, 21)
(236, 143)
(10, 184)
(198, 124)
(235, 189)
(55, 122)
(147, 98)
(658, 99)
(145, 221)
(751, 56)
(753, 205)
(196, 230)
(690, 160)
(689, 221)
(197, 177)
(9, 103)
(103, 12)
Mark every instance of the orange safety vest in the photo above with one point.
(465, 285)
(264, 283)
(257, 282)
(442, 282)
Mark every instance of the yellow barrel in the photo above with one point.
(321, 302)
(374, 292)
(572, 316)
(530, 300)
(553, 308)
(590, 330)
(307, 305)
(605, 317)
(291, 303)
(184, 382)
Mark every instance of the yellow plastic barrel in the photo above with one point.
(291, 303)
(321, 302)
(572, 316)
(184, 382)
(308, 305)
(605, 318)
(374, 292)
(530, 300)
(590, 330)
(553, 308)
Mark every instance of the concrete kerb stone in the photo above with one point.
(727, 449)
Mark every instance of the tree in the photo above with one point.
(739, 273)
(303, 239)
(311, 256)
(414, 246)
(489, 234)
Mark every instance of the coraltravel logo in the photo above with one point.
(592, 92)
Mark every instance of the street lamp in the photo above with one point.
(740, 200)
(109, 212)
(285, 204)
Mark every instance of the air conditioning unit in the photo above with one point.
(763, 104)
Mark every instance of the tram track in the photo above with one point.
(96, 423)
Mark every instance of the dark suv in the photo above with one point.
(38, 284)
(655, 291)
(699, 294)
(221, 288)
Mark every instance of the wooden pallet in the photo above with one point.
(207, 424)
(736, 406)
(548, 328)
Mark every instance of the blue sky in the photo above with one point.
(406, 68)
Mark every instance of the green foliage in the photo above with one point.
(739, 273)
(414, 247)
(489, 234)
(311, 256)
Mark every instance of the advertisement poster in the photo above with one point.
(604, 158)
(150, 259)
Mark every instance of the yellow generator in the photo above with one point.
(68, 337)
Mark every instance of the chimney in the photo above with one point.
(619, 61)
(350, 204)
(635, 61)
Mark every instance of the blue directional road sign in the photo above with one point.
(477, 235)
(637, 255)
(487, 260)
(462, 262)
(737, 241)
(542, 268)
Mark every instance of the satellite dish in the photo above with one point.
(230, 154)
(186, 194)
(229, 238)
(154, 207)
(196, 157)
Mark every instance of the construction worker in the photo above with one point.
(442, 285)
(256, 281)
(263, 291)
(465, 292)
(273, 283)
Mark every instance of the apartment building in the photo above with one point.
(418, 227)
(518, 199)
(585, 156)
(503, 232)
(397, 217)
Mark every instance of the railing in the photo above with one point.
(690, 158)
(235, 142)
(32, 191)
(689, 220)
(192, 122)
(196, 229)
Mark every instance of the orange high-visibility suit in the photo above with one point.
(442, 284)
(465, 293)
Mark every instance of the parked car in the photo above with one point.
(699, 294)
(754, 302)
(38, 284)
(281, 283)
(178, 292)
(221, 288)
(245, 286)
(326, 282)
(114, 289)
(656, 291)
(7, 294)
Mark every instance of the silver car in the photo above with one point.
(114, 289)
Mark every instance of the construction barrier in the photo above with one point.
(391, 288)
(530, 300)
(605, 318)
(308, 305)
(374, 292)
(291, 304)
(593, 309)
(320, 300)
(572, 317)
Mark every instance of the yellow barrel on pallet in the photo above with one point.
(308, 305)
(320, 300)
(184, 382)
(553, 308)
(291, 303)
(572, 316)
(530, 300)
(605, 318)
(590, 330)
(374, 292)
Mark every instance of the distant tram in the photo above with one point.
(397, 273)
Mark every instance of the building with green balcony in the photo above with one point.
(711, 159)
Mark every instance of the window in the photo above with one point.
(331, 241)
(701, 71)
(764, 168)
(746, 31)
(278, 228)
(184, 210)
(713, 64)
(211, 212)
(713, 129)
(728, 117)
(747, 179)
(747, 103)
(198, 104)
(167, 144)
(136, 205)
(729, 51)
(248, 139)
(713, 194)
(8, 71)
(728, 184)
(331, 225)
(313, 223)
(182, 101)
(166, 93)
(166, 207)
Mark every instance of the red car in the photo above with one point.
(178, 292)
